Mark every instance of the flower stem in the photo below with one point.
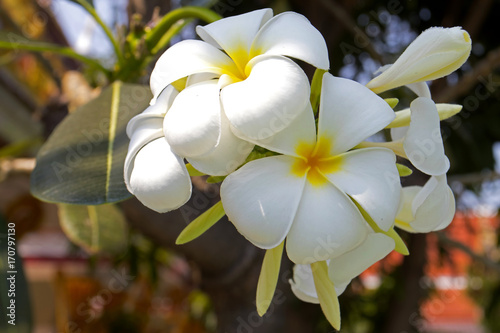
(88, 7)
(156, 35)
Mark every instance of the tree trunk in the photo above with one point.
(229, 265)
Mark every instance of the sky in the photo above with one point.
(81, 30)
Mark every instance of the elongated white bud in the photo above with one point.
(437, 52)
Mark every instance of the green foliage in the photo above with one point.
(201, 224)
(98, 229)
(268, 278)
(12, 41)
(82, 161)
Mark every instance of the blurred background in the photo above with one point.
(134, 279)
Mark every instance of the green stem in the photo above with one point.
(88, 7)
(46, 47)
(156, 34)
(174, 30)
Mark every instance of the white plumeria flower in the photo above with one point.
(342, 269)
(422, 141)
(156, 174)
(435, 53)
(428, 208)
(197, 128)
(261, 89)
(306, 194)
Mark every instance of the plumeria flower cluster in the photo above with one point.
(320, 189)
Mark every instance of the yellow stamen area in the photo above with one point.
(238, 71)
(315, 161)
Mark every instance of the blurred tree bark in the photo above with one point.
(229, 264)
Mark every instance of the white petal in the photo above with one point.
(303, 284)
(143, 130)
(163, 102)
(421, 89)
(186, 58)
(157, 110)
(159, 178)
(291, 34)
(433, 206)
(192, 125)
(228, 155)
(275, 93)
(302, 130)
(405, 213)
(200, 77)
(327, 224)
(370, 177)
(261, 199)
(349, 113)
(398, 133)
(435, 53)
(147, 126)
(423, 143)
(235, 34)
(349, 265)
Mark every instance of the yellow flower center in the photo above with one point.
(238, 71)
(315, 161)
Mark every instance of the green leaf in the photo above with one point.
(403, 170)
(400, 244)
(90, 2)
(201, 224)
(98, 229)
(215, 179)
(82, 161)
(326, 293)
(23, 319)
(316, 84)
(192, 171)
(392, 102)
(12, 41)
(268, 278)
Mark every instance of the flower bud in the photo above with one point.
(437, 52)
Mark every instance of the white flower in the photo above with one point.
(422, 141)
(342, 269)
(197, 128)
(437, 52)
(306, 194)
(154, 172)
(261, 89)
(428, 208)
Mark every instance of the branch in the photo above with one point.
(469, 80)
(478, 11)
(474, 178)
